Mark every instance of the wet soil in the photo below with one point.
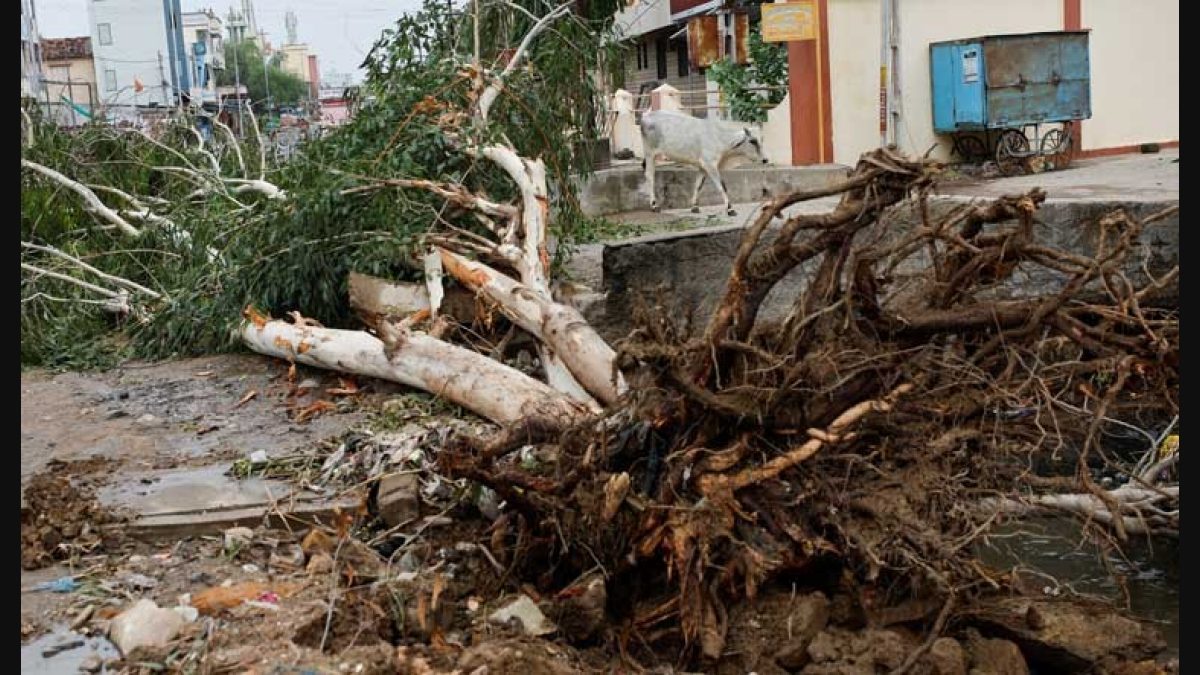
(425, 612)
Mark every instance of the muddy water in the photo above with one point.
(1054, 547)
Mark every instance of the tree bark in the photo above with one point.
(489, 389)
(562, 328)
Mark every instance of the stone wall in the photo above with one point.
(685, 273)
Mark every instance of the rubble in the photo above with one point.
(144, 624)
(526, 612)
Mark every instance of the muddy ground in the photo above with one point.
(421, 597)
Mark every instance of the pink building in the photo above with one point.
(334, 111)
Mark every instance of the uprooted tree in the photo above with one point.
(909, 400)
(884, 423)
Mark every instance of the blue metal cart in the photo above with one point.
(989, 92)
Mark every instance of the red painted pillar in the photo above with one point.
(808, 89)
(1073, 20)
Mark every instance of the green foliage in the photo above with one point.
(296, 254)
(768, 67)
(258, 75)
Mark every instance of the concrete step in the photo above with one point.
(623, 188)
(170, 503)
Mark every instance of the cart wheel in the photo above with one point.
(970, 148)
(1011, 150)
(1056, 148)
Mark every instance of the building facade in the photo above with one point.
(1133, 50)
(294, 60)
(655, 32)
(204, 40)
(70, 79)
(31, 54)
(139, 53)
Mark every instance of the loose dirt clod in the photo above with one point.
(62, 518)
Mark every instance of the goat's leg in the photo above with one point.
(696, 191)
(648, 163)
(714, 174)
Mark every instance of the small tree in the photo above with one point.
(768, 67)
(258, 75)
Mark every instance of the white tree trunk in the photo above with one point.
(562, 328)
(490, 389)
(93, 202)
(1142, 510)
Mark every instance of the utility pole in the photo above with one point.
(267, 78)
(162, 78)
(237, 86)
(71, 98)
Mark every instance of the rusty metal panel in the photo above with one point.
(704, 42)
(1036, 78)
(741, 38)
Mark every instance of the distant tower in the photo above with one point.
(289, 20)
(250, 17)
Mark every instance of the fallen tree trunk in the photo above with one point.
(376, 299)
(561, 327)
(1147, 511)
(489, 389)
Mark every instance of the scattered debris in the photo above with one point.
(145, 624)
(525, 611)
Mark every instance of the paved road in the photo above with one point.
(1151, 177)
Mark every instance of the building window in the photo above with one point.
(643, 54)
(660, 57)
(104, 32)
(681, 52)
(110, 80)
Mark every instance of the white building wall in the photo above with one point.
(31, 52)
(1135, 72)
(1134, 50)
(139, 38)
(641, 16)
(854, 41)
(200, 27)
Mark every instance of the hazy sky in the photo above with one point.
(340, 32)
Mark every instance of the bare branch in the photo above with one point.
(94, 204)
(103, 275)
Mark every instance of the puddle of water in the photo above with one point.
(1053, 547)
(34, 657)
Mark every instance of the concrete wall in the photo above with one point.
(139, 37)
(623, 189)
(685, 273)
(1135, 72)
(854, 27)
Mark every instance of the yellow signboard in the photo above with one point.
(789, 21)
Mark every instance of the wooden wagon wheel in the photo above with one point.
(1056, 147)
(970, 148)
(1011, 150)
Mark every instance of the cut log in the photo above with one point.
(374, 299)
(562, 328)
(490, 389)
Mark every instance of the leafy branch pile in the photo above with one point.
(294, 253)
